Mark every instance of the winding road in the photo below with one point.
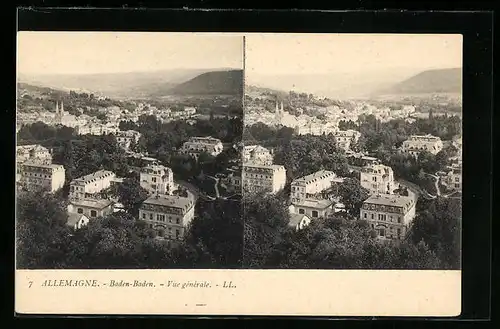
(216, 186)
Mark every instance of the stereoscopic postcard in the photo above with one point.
(238, 174)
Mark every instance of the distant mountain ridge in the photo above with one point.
(143, 84)
(217, 82)
(429, 81)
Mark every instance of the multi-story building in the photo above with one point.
(157, 179)
(196, 145)
(95, 129)
(256, 154)
(89, 185)
(390, 215)
(190, 110)
(92, 208)
(312, 208)
(169, 216)
(267, 179)
(378, 178)
(309, 186)
(48, 177)
(420, 143)
(345, 138)
(454, 178)
(316, 128)
(126, 138)
(34, 153)
(64, 118)
(233, 181)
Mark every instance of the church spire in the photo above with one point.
(57, 107)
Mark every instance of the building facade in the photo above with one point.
(95, 129)
(391, 216)
(77, 221)
(256, 154)
(91, 208)
(233, 181)
(267, 179)
(420, 143)
(299, 222)
(309, 186)
(454, 178)
(197, 145)
(126, 138)
(157, 179)
(312, 208)
(64, 118)
(378, 178)
(89, 185)
(47, 177)
(34, 153)
(345, 138)
(169, 216)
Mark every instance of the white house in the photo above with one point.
(299, 221)
(77, 221)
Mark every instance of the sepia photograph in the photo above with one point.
(352, 155)
(184, 163)
(128, 150)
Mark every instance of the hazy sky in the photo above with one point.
(273, 54)
(105, 52)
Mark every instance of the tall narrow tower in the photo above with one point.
(58, 113)
(278, 116)
(62, 107)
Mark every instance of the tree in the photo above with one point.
(41, 232)
(438, 225)
(265, 219)
(131, 195)
(118, 241)
(219, 227)
(352, 195)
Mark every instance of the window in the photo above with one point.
(364, 215)
(143, 216)
(314, 213)
(151, 216)
(399, 231)
(150, 225)
(373, 216)
(153, 179)
(93, 213)
(79, 210)
(177, 233)
(381, 232)
(399, 219)
(301, 211)
(178, 221)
